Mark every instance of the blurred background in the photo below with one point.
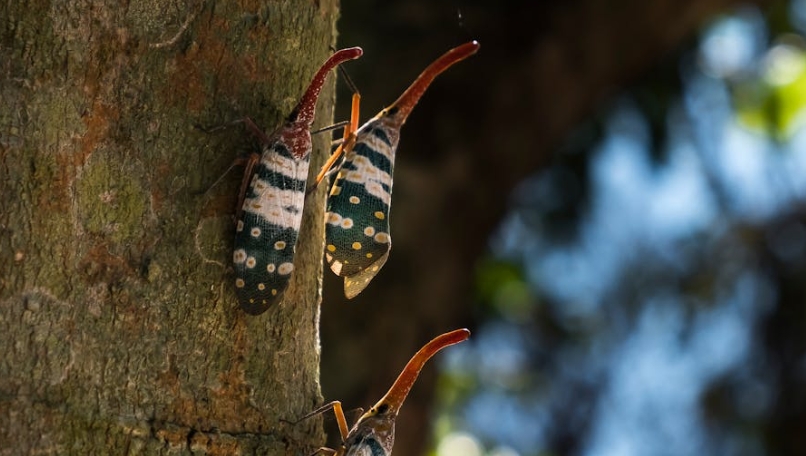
(611, 195)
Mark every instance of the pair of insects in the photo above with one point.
(357, 219)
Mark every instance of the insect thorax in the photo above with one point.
(374, 436)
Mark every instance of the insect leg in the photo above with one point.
(331, 127)
(328, 451)
(338, 411)
(347, 142)
(249, 162)
(249, 167)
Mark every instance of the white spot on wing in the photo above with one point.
(285, 268)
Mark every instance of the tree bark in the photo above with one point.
(120, 329)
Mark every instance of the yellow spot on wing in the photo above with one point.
(333, 218)
(356, 246)
(331, 248)
(380, 215)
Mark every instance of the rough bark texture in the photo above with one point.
(483, 126)
(119, 328)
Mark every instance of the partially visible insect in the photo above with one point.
(272, 195)
(357, 229)
(374, 432)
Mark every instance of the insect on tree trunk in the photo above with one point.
(120, 329)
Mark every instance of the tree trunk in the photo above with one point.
(120, 329)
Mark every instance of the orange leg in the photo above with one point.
(338, 411)
(347, 142)
(340, 420)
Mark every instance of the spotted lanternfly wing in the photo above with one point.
(271, 213)
(357, 230)
(266, 234)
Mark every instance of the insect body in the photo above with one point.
(357, 230)
(374, 432)
(273, 193)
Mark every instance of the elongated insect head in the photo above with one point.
(397, 394)
(403, 106)
(304, 112)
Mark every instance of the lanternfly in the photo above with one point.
(357, 231)
(273, 193)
